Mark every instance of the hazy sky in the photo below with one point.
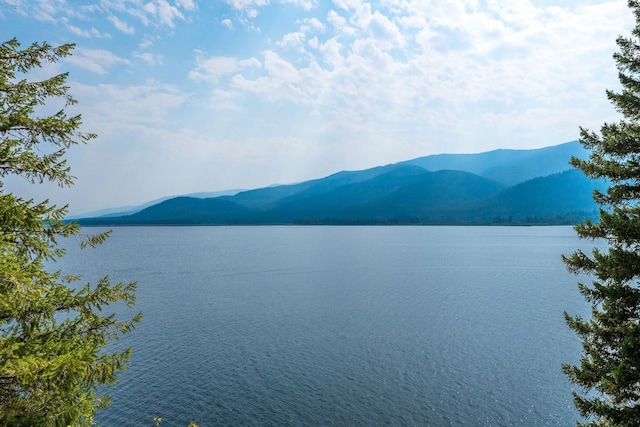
(195, 95)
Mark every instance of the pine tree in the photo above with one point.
(609, 370)
(52, 330)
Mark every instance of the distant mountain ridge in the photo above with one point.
(129, 210)
(501, 186)
(507, 166)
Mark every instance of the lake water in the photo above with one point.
(343, 326)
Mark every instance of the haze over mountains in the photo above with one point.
(498, 187)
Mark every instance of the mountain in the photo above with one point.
(564, 197)
(129, 210)
(185, 211)
(264, 198)
(455, 197)
(507, 166)
(432, 192)
(500, 186)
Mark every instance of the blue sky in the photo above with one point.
(194, 95)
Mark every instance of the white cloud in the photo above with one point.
(162, 10)
(214, 68)
(227, 23)
(316, 24)
(455, 58)
(121, 25)
(280, 69)
(80, 19)
(223, 100)
(331, 52)
(85, 32)
(148, 58)
(339, 23)
(292, 40)
(247, 4)
(379, 27)
(82, 32)
(145, 43)
(95, 60)
(347, 4)
(98, 34)
(304, 4)
(78, 31)
(253, 4)
(187, 4)
(44, 10)
(143, 105)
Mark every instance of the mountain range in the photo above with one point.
(536, 186)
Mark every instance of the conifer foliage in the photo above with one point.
(52, 330)
(609, 370)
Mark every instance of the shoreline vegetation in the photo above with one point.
(355, 223)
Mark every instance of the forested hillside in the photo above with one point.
(497, 187)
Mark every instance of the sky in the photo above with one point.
(207, 95)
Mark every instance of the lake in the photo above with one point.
(343, 326)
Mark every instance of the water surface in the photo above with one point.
(337, 326)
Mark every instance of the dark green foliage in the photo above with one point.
(52, 334)
(609, 371)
